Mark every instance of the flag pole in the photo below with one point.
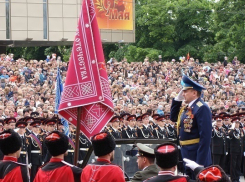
(79, 109)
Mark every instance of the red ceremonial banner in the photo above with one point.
(86, 84)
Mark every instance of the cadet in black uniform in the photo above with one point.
(114, 130)
(130, 131)
(160, 132)
(144, 131)
(218, 143)
(226, 125)
(25, 153)
(36, 148)
(50, 126)
(236, 149)
(70, 156)
(84, 145)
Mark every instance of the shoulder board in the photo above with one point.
(199, 104)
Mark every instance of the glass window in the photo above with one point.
(7, 19)
(45, 20)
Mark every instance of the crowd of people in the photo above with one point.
(142, 94)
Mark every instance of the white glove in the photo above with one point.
(227, 153)
(92, 160)
(29, 166)
(126, 159)
(244, 154)
(42, 163)
(191, 164)
(233, 126)
(179, 97)
(179, 147)
(80, 162)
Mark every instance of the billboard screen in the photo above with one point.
(114, 14)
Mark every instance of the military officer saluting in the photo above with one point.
(194, 122)
(160, 132)
(25, 153)
(144, 131)
(219, 147)
(130, 131)
(114, 129)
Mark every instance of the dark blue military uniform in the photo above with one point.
(195, 128)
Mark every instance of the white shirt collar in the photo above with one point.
(190, 104)
(146, 125)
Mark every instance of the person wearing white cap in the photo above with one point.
(146, 159)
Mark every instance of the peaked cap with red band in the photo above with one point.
(103, 144)
(10, 142)
(57, 143)
(50, 122)
(10, 120)
(212, 174)
(167, 155)
(131, 117)
(21, 124)
(236, 119)
(115, 119)
(218, 118)
(145, 115)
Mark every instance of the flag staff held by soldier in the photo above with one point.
(194, 124)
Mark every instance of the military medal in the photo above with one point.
(188, 121)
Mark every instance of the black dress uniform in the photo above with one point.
(25, 153)
(159, 132)
(171, 131)
(36, 155)
(227, 139)
(84, 145)
(144, 132)
(236, 149)
(129, 133)
(70, 156)
(115, 133)
(219, 147)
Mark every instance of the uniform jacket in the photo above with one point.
(236, 144)
(102, 171)
(218, 142)
(25, 154)
(198, 127)
(159, 133)
(84, 144)
(115, 133)
(12, 171)
(36, 158)
(58, 171)
(144, 132)
(129, 133)
(149, 172)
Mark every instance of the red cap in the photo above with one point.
(210, 174)
(53, 137)
(166, 149)
(5, 135)
(100, 136)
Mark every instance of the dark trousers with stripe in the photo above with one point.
(235, 167)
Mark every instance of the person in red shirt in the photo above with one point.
(10, 169)
(103, 170)
(57, 170)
